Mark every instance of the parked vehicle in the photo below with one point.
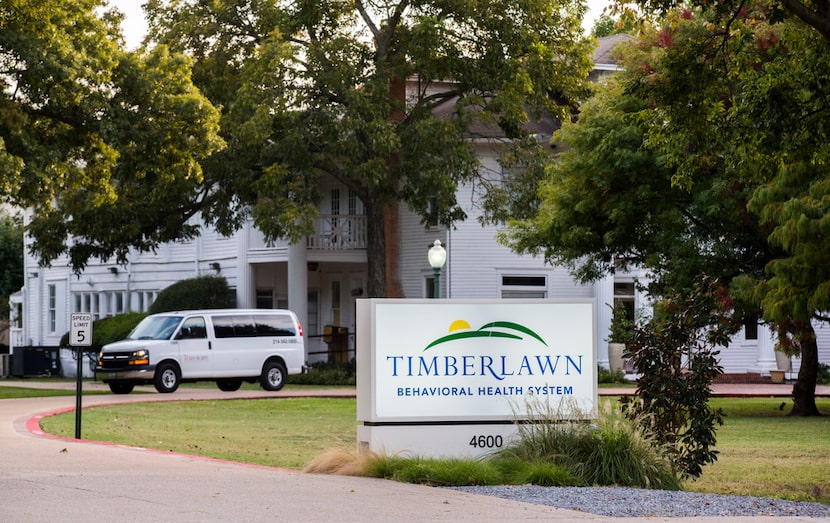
(227, 346)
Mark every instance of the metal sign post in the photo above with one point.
(80, 335)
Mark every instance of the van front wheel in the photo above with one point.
(273, 375)
(166, 378)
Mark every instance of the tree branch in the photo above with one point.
(368, 20)
(819, 18)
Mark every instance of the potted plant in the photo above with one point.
(785, 349)
(618, 335)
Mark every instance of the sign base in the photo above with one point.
(443, 440)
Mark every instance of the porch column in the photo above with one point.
(766, 351)
(604, 291)
(298, 281)
(244, 280)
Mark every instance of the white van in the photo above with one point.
(227, 346)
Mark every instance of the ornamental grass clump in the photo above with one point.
(620, 453)
(611, 450)
(435, 472)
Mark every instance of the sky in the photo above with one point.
(134, 25)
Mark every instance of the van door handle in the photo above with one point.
(210, 345)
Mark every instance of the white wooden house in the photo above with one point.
(321, 277)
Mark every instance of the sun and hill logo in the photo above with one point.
(461, 329)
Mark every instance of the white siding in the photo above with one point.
(476, 262)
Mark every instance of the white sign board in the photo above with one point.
(473, 362)
(80, 330)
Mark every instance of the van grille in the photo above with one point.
(114, 360)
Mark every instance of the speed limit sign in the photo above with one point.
(80, 332)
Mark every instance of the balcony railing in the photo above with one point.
(338, 232)
(331, 232)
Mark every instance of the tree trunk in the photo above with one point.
(804, 389)
(375, 249)
(393, 251)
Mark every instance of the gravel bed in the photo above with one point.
(632, 502)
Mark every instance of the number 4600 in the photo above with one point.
(487, 442)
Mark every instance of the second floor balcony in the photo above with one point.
(338, 232)
(332, 232)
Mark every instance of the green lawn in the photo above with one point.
(765, 452)
(762, 451)
(284, 432)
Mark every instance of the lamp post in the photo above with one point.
(437, 256)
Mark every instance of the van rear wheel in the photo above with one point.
(118, 387)
(228, 385)
(167, 378)
(273, 375)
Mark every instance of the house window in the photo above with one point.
(116, 303)
(751, 330)
(432, 213)
(624, 294)
(53, 308)
(87, 302)
(143, 300)
(264, 299)
(524, 286)
(313, 315)
(334, 205)
(335, 303)
(352, 203)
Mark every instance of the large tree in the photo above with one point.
(11, 260)
(813, 13)
(707, 158)
(315, 88)
(101, 144)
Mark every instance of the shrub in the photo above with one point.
(606, 376)
(544, 474)
(675, 357)
(325, 373)
(109, 330)
(202, 292)
(436, 472)
(621, 327)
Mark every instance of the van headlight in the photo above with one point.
(139, 357)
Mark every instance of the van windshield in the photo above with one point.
(155, 328)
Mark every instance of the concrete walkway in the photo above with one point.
(66, 480)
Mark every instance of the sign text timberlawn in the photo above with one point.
(473, 360)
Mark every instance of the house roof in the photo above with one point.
(544, 126)
(604, 54)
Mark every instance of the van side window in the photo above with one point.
(246, 326)
(243, 326)
(234, 326)
(274, 325)
(223, 326)
(193, 329)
